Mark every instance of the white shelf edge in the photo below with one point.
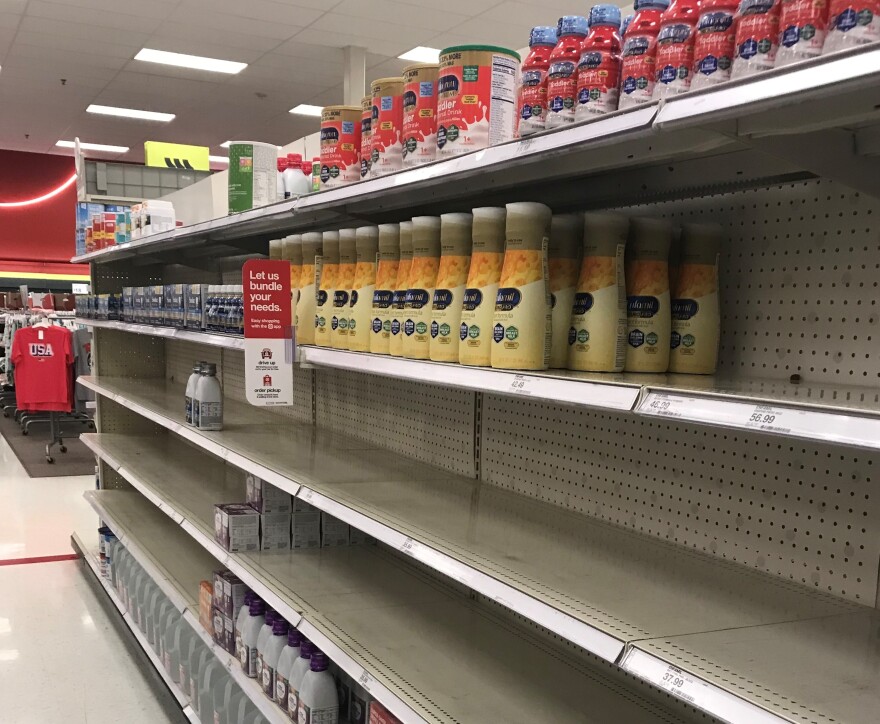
(578, 632)
(175, 690)
(695, 690)
(607, 395)
(832, 425)
(188, 335)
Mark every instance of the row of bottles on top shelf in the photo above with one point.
(514, 287)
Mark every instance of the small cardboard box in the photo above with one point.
(224, 635)
(237, 527)
(206, 600)
(193, 306)
(333, 531)
(173, 305)
(229, 592)
(301, 506)
(275, 531)
(306, 529)
(265, 497)
(359, 538)
(380, 715)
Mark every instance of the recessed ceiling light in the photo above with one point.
(197, 62)
(218, 159)
(304, 109)
(130, 113)
(421, 54)
(93, 147)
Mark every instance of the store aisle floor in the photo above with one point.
(60, 657)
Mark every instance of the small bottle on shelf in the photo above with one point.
(209, 399)
(249, 633)
(191, 393)
(532, 104)
(294, 679)
(562, 72)
(318, 697)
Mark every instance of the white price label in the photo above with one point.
(408, 546)
(764, 417)
(663, 405)
(524, 146)
(365, 680)
(306, 495)
(522, 385)
(675, 681)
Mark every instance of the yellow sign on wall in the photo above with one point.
(176, 155)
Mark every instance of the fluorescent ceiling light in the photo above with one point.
(226, 144)
(218, 159)
(130, 113)
(190, 61)
(304, 109)
(421, 54)
(94, 147)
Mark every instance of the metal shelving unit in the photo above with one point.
(383, 621)
(226, 341)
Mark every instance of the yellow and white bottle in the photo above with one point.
(478, 307)
(696, 313)
(563, 264)
(649, 317)
(291, 250)
(455, 259)
(344, 285)
(398, 300)
(521, 323)
(360, 306)
(383, 293)
(312, 248)
(420, 290)
(329, 278)
(597, 335)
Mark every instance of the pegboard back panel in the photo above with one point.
(799, 278)
(120, 354)
(800, 510)
(426, 422)
(180, 356)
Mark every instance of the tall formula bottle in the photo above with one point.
(564, 259)
(649, 319)
(342, 292)
(420, 290)
(521, 322)
(383, 293)
(360, 306)
(532, 103)
(597, 336)
(484, 275)
(455, 260)
(329, 278)
(308, 284)
(398, 299)
(562, 73)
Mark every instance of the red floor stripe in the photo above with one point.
(39, 559)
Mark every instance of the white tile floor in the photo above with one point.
(60, 658)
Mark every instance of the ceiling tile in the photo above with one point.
(434, 17)
(138, 8)
(505, 34)
(392, 45)
(526, 15)
(87, 34)
(283, 13)
(108, 52)
(10, 20)
(13, 6)
(470, 8)
(103, 18)
(301, 47)
(198, 21)
(225, 44)
(367, 28)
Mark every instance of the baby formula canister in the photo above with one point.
(398, 299)
(312, 249)
(696, 316)
(597, 336)
(455, 260)
(714, 43)
(327, 281)
(342, 292)
(757, 37)
(253, 175)
(478, 307)
(383, 294)
(476, 98)
(852, 23)
(366, 135)
(649, 320)
(419, 114)
(360, 306)
(521, 322)
(387, 126)
(420, 289)
(340, 145)
(563, 263)
(802, 25)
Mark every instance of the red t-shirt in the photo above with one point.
(42, 357)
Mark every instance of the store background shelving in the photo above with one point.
(755, 541)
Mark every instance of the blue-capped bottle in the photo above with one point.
(625, 24)
(637, 74)
(598, 77)
(562, 73)
(532, 104)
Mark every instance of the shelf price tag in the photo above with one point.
(269, 337)
(662, 405)
(522, 385)
(408, 546)
(764, 417)
(365, 679)
(676, 682)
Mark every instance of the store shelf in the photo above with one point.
(89, 559)
(176, 567)
(427, 653)
(835, 91)
(614, 590)
(578, 388)
(214, 340)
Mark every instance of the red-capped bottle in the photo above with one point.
(675, 48)
(532, 104)
(562, 73)
(598, 77)
(637, 71)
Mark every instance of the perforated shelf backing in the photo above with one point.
(427, 422)
(804, 511)
(799, 278)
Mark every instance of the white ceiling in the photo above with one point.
(294, 51)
